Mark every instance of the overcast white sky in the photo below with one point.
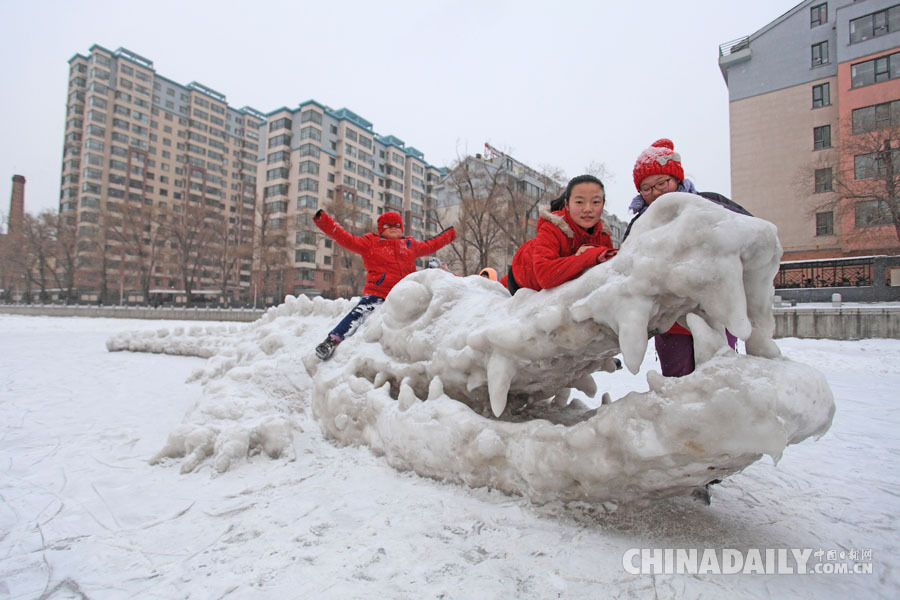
(560, 83)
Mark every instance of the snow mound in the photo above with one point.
(454, 379)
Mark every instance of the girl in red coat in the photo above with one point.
(388, 257)
(569, 240)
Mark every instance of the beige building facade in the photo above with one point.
(773, 163)
(801, 90)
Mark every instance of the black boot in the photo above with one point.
(326, 348)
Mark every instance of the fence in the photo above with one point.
(863, 279)
(134, 312)
(729, 48)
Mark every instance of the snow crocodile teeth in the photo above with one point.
(496, 372)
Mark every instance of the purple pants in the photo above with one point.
(676, 352)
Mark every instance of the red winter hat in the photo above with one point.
(659, 159)
(389, 218)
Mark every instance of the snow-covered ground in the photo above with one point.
(83, 514)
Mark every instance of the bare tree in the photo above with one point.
(234, 241)
(479, 188)
(64, 251)
(868, 184)
(141, 236)
(272, 258)
(191, 232)
(38, 238)
(517, 215)
(495, 209)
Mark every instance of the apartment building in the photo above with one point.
(814, 101)
(176, 194)
(316, 157)
(140, 150)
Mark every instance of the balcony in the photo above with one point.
(733, 52)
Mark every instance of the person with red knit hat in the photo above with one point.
(388, 256)
(658, 171)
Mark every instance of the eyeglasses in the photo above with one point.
(658, 186)
(397, 225)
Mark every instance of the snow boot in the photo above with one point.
(326, 348)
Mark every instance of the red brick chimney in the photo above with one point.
(16, 206)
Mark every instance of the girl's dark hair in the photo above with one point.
(558, 203)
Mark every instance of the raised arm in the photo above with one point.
(344, 238)
(433, 244)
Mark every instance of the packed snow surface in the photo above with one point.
(83, 514)
(454, 379)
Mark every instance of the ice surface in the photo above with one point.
(83, 514)
(424, 380)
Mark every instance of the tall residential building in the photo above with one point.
(174, 192)
(159, 179)
(316, 157)
(814, 101)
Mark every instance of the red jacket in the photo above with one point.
(386, 261)
(549, 259)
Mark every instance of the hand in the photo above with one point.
(318, 214)
(606, 255)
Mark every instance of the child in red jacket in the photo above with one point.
(569, 240)
(388, 257)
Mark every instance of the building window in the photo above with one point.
(878, 116)
(305, 237)
(824, 223)
(820, 53)
(309, 150)
(872, 213)
(875, 71)
(821, 95)
(874, 165)
(875, 24)
(311, 115)
(822, 137)
(308, 185)
(310, 132)
(280, 140)
(276, 207)
(283, 123)
(823, 180)
(818, 15)
(309, 166)
(307, 201)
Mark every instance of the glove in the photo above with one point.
(318, 214)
